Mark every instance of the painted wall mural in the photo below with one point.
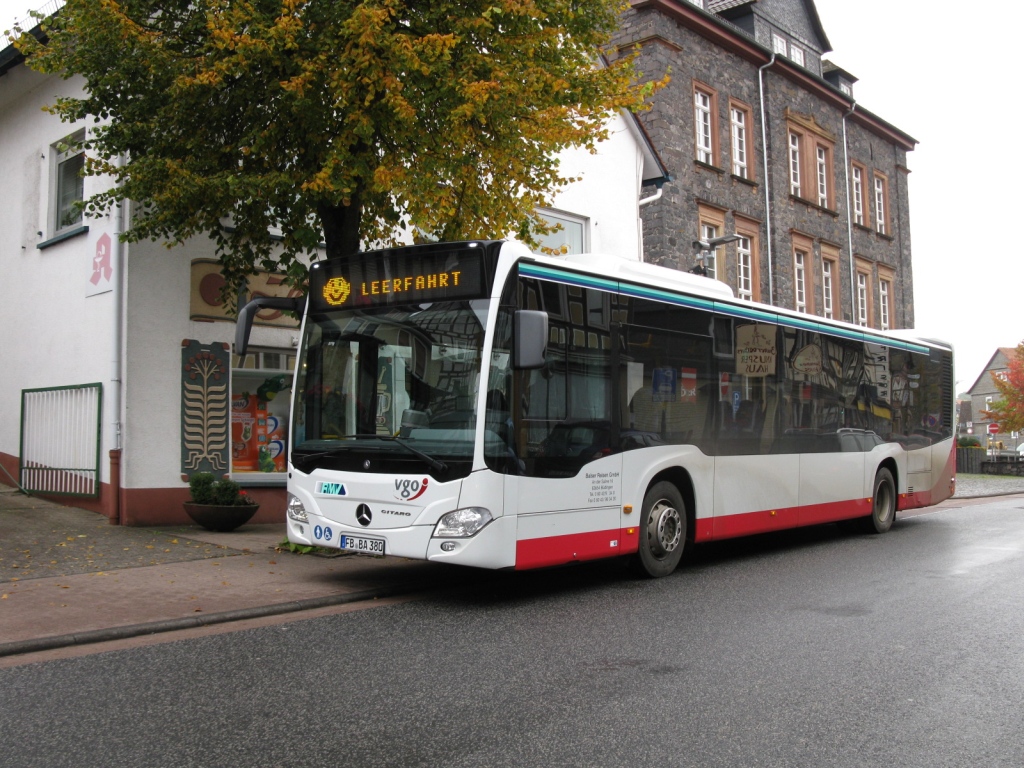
(205, 372)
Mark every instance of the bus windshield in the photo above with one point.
(390, 389)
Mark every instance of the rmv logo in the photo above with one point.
(332, 489)
(407, 490)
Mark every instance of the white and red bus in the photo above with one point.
(475, 403)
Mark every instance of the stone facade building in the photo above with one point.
(764, 139)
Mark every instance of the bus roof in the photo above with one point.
(673, 286)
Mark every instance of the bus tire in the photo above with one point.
(662, 530)
(883, 503)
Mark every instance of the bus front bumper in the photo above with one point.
(491, 547)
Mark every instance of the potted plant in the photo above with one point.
(218, 504)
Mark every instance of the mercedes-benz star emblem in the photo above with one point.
(363, 514)
(366, 464)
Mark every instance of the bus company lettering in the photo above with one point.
(407, 490)
(604, 487)
(427, 282)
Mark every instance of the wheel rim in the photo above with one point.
(883, 502)
(664, 528)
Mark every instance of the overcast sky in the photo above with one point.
(941, 73)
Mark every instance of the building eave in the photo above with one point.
(731, 39)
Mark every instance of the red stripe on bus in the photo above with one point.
(576, 547)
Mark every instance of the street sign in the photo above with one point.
(993, 428)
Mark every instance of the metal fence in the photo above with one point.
(60, 440)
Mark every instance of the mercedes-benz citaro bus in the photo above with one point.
(476, 403)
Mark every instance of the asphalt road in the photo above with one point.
(807, 648)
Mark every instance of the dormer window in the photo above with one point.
(846, 88)
(779, 44)
(796, 54)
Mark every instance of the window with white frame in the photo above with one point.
(800, 280)
(739, 142)
(884, 292)
(68, 184)
(570, 237)
(702, 126)
(794, 164)
(796, 54)
(881, 214)
(779, 44)
(826, 288)
(822, 172)
(708, 232)
(858, 195)
(744, 269)
(862, 299)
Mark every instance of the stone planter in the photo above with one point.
(217, 517)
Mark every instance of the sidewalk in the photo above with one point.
(67, 577)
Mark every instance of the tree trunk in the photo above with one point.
(341, 227)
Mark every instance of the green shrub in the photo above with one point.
(207, 489)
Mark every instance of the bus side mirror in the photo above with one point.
(531, 332)
(246, 314)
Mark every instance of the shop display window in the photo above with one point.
(261, 388)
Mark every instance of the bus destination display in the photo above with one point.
(385, 279)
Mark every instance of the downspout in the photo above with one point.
(894, 214)
(767, 184)
(849, 217)
(117, 364)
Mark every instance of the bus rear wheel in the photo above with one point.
(883, 504)
(662, 530)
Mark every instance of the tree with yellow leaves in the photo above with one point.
(273, 126)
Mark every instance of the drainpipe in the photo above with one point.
(849, 218)
(767, 184)
(898, 227)
(117, 364)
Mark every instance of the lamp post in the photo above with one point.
(704, 249)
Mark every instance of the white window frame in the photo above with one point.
(710, 232)
(744, 268)
(883, 303)
(794, 163)
(858, 196)
(822, 160)
(739, 142)
(826, 288)
(574, 234)
(779, 44)
(800, 280)
(880, 213)
(702, 124)
(862, 299)
(67, 159)
(796, 54)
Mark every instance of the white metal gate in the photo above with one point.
(60, 440)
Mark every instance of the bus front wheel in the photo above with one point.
(662, 530)
(883, 503)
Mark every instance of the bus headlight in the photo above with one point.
(462, 523)
(296, 510)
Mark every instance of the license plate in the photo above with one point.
(363, 544)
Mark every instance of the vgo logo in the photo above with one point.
(407, 490)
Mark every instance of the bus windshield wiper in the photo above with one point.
(435, 464)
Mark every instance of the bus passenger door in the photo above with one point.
(568, 487)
